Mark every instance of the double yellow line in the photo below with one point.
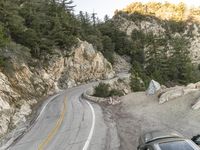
(55, 129)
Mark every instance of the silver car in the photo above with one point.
(163, 140)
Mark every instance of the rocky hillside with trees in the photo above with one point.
(25, 80)
(165, 11)
(164, 41)
(42, 50)
(45, 47)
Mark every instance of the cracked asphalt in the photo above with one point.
(66, 124)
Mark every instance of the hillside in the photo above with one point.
(40, 54)
(165, 11)
(167, 48)
(45, 47)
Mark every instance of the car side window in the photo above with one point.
(147, 148)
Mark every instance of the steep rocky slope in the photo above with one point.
(121, 63)
(84, 64)
(150, 24)
(24, 81)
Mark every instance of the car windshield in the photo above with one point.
(176, 145)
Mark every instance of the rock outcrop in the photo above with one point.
(24, 80)
(121, 83)
(178, 91)
(84, 64)
(121, 63)
(148, 25)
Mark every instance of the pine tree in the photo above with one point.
(4, 39)
(94, 19)
(67, 5)
(108, 48)
(156, 59)
(106, 18)
(181, 66)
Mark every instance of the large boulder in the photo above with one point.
(153, 88)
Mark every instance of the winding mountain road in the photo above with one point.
(68, 122)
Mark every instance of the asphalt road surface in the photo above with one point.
(68, 122)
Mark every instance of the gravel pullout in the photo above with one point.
(140, 113)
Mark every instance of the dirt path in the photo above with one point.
(139, 113)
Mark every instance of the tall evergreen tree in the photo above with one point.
(94, 18)
(106, 18)
(180, 63)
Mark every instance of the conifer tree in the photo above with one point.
(180, 63)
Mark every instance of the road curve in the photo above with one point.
(67, 123)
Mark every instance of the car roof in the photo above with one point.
(168, 140)
(159, 135)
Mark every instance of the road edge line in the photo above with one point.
(87, 143)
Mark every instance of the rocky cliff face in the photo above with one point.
(121, 63)
(84, 64)
(24, 80)
(153, 25)
(127, 25)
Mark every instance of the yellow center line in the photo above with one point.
(55, 129)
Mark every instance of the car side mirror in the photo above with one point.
(196, 139)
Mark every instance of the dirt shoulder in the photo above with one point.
(140, 113)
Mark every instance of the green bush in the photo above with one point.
(2, 62)
(136, 85)
(102, 90)
(115, 92)
(95, 41)
(108, 49)
(138, 79)
(177, 26)
(3, 37)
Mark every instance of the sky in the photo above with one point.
(103, 7)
